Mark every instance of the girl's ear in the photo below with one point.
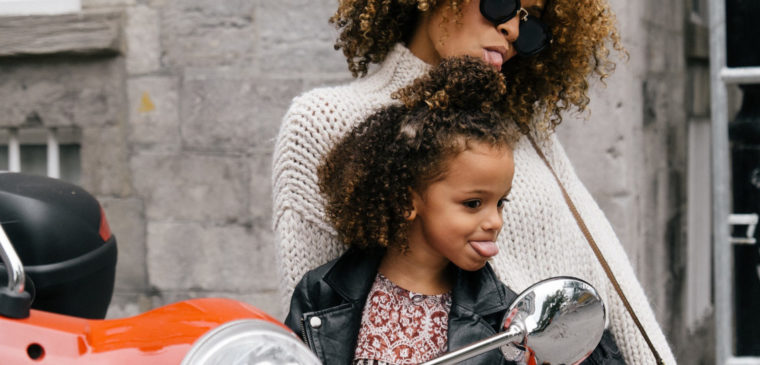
(412, 213)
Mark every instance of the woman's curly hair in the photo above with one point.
(368, 178)
(539, 88)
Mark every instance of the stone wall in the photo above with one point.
(178, 126)
(207, 84)
(636, 165)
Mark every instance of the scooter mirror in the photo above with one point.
(555, 321)
(562, 318)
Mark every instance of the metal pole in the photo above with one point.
(14, 151)
(53, 154)
(515, 333)
(720, 185)
(740, 75)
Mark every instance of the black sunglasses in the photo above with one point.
(534, 34)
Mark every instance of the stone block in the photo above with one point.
(233, 115)
(611, 166)
(208, 33)
(81, 33)
(261, 190)
(301, 58)
(287, 21)
(192, 187)
(105, 161)
(611, 122)
(106, 3)
(663, 14)
(203, 257)
(154, 113)
(665, 51)
(127, 222)
(629, 19)
(661, 104)
(142, 36)
(62, 91)
(297, 42)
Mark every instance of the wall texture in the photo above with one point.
(206, 85)
(178, 129)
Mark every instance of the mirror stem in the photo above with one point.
(12, 263)
(515, 333)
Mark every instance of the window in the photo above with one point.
(54, 152)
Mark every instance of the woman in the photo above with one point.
(405, 37)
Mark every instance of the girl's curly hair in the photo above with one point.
(368, 178)
(555, 80)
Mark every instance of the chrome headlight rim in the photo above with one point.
(233, 334)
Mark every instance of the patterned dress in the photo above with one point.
(401, 327)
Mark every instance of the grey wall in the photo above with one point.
(178, 131)
(207, 83)
(635, 165)
(631, 152)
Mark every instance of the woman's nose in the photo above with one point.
(510, 29)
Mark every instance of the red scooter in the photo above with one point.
(52, 308)
(59, 259)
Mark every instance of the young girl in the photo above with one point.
(416, 191)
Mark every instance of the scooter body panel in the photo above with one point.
(160, 336)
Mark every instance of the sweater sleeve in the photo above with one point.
(302, 237)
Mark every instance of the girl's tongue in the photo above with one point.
(485, 248)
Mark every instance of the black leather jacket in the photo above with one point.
(326, 310)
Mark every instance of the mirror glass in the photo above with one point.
(563, 320)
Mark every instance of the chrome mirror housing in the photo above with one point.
(555, 321)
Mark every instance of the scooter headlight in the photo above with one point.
(249, 342)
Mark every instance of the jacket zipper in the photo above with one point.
(303, 330)
(306, 338)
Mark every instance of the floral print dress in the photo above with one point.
(400, 327)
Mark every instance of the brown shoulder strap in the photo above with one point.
(597, 252)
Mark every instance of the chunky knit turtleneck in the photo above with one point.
(539, 239)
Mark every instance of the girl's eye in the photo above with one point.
(501, 202)
(472, 204)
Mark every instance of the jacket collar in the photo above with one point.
(352, 275)
(479, 291)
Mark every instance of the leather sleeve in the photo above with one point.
(299, 304)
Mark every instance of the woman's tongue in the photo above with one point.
(485, 248)
(492, 57)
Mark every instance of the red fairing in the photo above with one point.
(161, 336)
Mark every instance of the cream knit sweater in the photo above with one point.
(540, 238)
